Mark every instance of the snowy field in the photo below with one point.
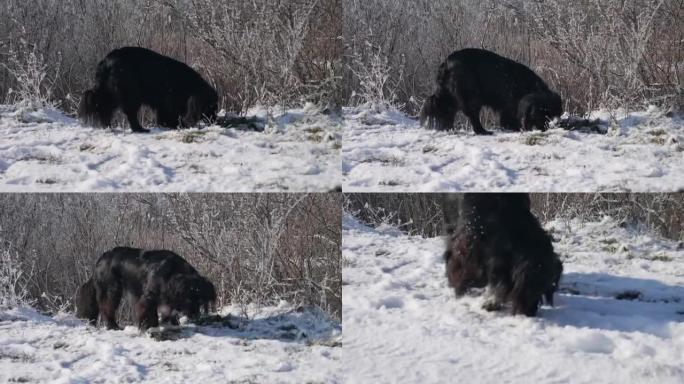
(47, 151)
(403, 324)
(277, 345)
(387, 151)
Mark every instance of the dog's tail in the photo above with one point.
(86, 302)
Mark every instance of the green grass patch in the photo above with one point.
(658, 136)
(390, 183)
(347, 262)
(429, 149)
(86, 147)
(325, 343)
(659, 257)
(192, 136)
(392, 161)
(535, 139)
(611, 245)
(47, 181)
(657, 132)
(658, 140)
(315, 134)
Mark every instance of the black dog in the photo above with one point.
(158, 281)
(472, 78)
(498, 243)
(130, 77)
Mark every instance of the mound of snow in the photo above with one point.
(402, 322)
(388, 151)
(47, 151)
(274, 345)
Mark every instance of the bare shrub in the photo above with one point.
(31, 76)
(376, 86)
(415, 213)
(14, 278)
(422, 214)
(612, 51)
(660, 212)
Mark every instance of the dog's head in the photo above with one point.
(202, 106)
(438, 112)
(533, 280)
(189, 293)
(95, 108)
(536, 110)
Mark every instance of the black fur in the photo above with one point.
(557, 273)
(86, 302)
(130, 77)
(160, 282)
(499, 244)
(535, 110)
(470, 79)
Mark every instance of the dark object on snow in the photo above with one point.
(158, 281)
(535, 110)
(474, 78)
(557, 273)
(217, 320)
(239, 122)
(130, 77)
(573, 123)
(498, 243)
(628, 295)
(166, 333)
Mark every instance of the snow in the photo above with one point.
(47, 151)
(402, 323)
(388, 151)
(276, 345)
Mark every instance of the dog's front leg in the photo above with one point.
(146, 311)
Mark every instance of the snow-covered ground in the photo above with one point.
(403, 324)
(388, 151)
(275, 345)
(47, 151)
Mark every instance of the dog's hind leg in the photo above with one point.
(108, 299)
